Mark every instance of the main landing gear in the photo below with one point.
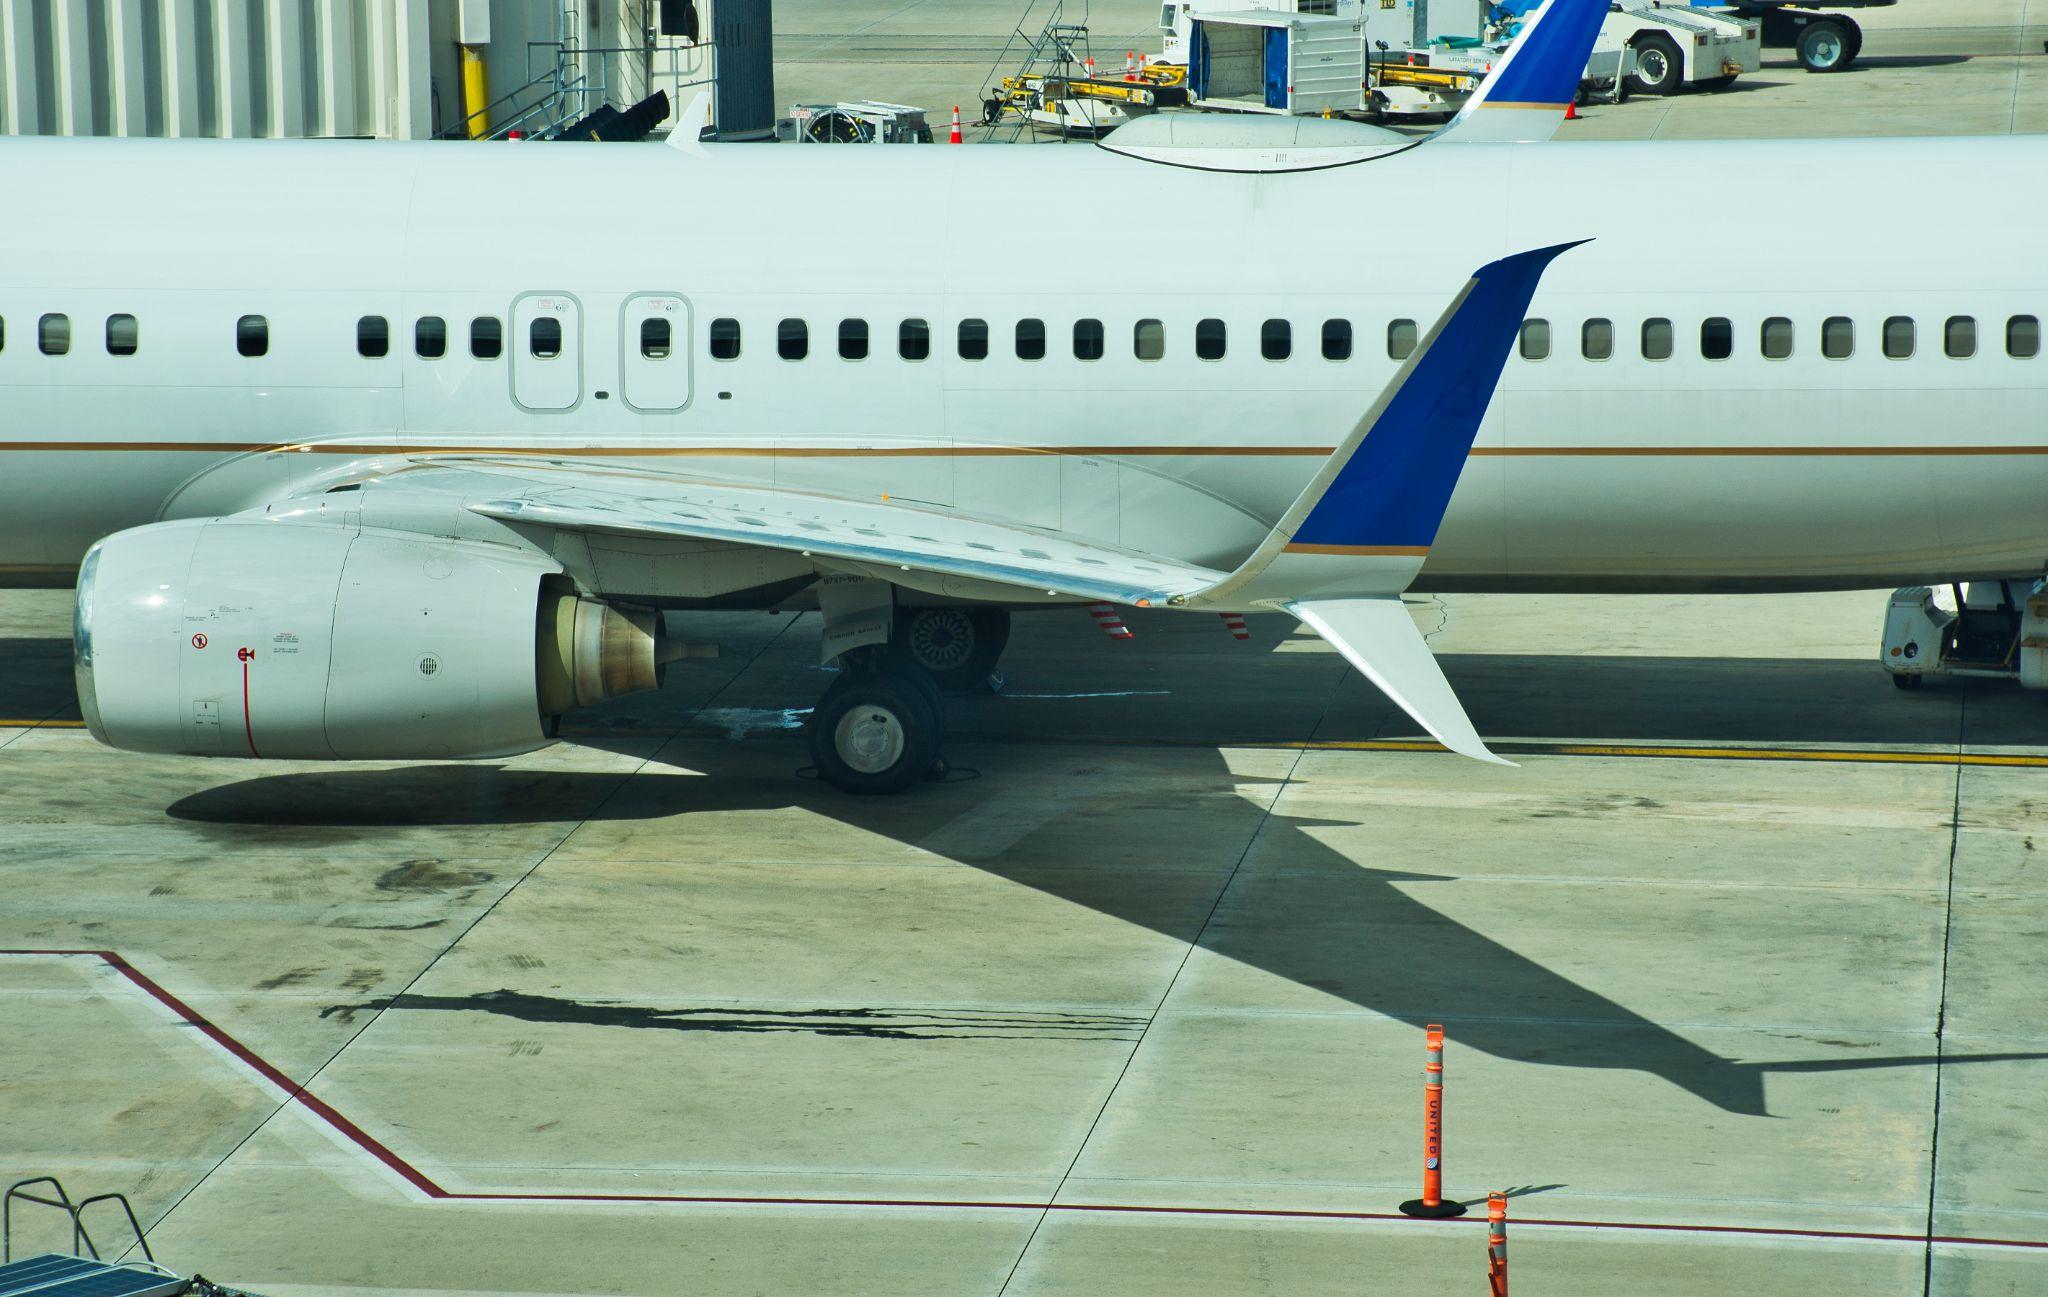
(880, 725)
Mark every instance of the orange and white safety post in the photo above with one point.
(954, 138)
(1432, 1202)
(1497, 1245)
(1107, 617)
(1130, 65)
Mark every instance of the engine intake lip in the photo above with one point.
(81, 644)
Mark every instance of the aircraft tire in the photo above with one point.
(1657, 54)
(875, 731)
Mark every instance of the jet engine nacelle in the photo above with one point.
(241, 638)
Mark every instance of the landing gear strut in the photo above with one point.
(879, 727)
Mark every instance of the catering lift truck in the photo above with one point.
(1305, 58)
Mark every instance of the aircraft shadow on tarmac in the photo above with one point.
(1325, 922)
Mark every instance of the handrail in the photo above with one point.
(18, 1190)
(78, 1223)
(75, 1210)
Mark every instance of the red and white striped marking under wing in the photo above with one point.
(1105, 615)
(1234, 623)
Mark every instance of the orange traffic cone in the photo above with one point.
(1130, 65)
(954, 138)
(1571, 110)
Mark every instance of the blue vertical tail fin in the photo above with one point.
(1527, 94)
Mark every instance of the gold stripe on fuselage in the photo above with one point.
(857, 452)
(1356, 551)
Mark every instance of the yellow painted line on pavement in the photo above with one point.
(1880, 756)
(41, 725)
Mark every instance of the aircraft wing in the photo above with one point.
(1338, 559)
(891, 539)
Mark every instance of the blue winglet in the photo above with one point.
(1547, 63)
(1389, 497)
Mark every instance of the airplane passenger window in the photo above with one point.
(1535, 340)
(1898, 337)
(486, 337)
(122, 335)
(1209, 339)
(1838, 337)
(2023, 337)
(656, 338)
(1776, 338)
(53, 334)
(3, 333)
(373, 336)
(1148, 339)
(252, 335)
(1276, 339)
(913, 339)
(1031, 339)
(430, 337)
(1087, 339)
(1959, 337)
(544, 337)
(853, 339)
(792, 339)
(1400, 339)
(1657, 339)
(725, 338)
(974, 339)
(1717, 338)
(1596, 339)
(1336, 339)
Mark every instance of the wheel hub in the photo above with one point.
(870, 739)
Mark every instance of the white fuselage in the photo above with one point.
(1618, 474)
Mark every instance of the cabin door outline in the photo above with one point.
(656, 352)
(546, 346)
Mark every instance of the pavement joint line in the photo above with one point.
(429, 1189)
(1948, 919)
(1279, 790)
(301, 1093)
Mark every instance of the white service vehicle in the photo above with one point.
(1291, 57)
(1997, 629)
(1677, 47)
(1648, 47)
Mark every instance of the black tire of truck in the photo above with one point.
(1657, 55)
(1824, 46)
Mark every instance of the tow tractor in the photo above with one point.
(1995, 629)
(1674, 46)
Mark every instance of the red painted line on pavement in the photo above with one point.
(296, 1093)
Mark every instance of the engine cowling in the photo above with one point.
(241, 637)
